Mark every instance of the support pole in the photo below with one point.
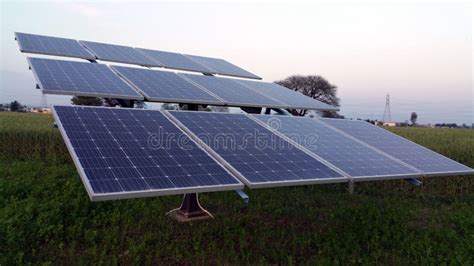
(190, 210)
(351, 186)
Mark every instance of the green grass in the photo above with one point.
(46, 216)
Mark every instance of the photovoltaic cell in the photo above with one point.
(429, 162)
(119, 53)
(222, 67)
(174, 60)
(39, 44)
(261, 157)
(82, 79)
(293, 99)
(233, 93)
(124, 153)
(165, 86)
(352, 157)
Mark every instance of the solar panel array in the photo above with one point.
(292, 99)
(32, 43)
(119, 53)
(90, 79)
(429, 162)
(155, 86)
(262, 158)
(124, 153)
(165, 86)
(233, 93)
(77, 78)
(354, 158)
(222, 67)
(39, 44)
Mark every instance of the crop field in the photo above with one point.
(47, 217)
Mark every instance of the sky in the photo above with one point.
(420, 53)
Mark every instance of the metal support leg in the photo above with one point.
(190, 210)
(414, 181)
(243, 196)
(351, 186)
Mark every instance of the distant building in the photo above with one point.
(40, 110)
(389, 124)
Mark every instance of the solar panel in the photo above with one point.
(165, 86)
(174, 60)
(233, 93)
(261, 158)
(293, 99)
(222, 67)
(354, 158)
(82, 79)
(429, 162)
(119, 53)
(126, 153)
(39, 44)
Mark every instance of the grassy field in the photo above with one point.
(46, 216)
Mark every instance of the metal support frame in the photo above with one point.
(243, 195)
(414, 181)
(190, 210)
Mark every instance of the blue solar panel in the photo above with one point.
(174, 60)
(124, 153)
(82, 79)
(347, 154)
(233, 93)
(165, 86)
(293, 99)
(39, 44)
(262, 158)
(429, 162)
(222, 67)
(119, 53)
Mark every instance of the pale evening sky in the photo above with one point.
(421, 53)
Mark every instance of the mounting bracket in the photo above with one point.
(414, 181)
(243, 195)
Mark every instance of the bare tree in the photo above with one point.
(413, 118)
(15, 106)
(315, 87)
